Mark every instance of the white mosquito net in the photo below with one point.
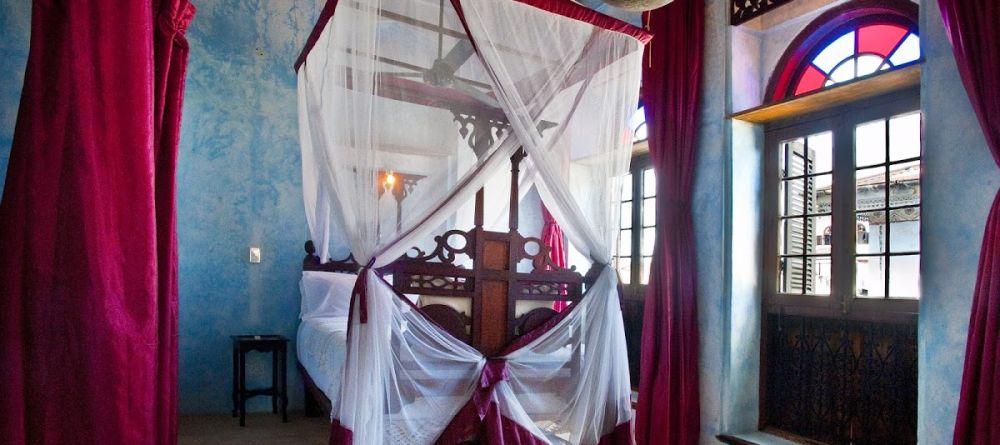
(395, 92)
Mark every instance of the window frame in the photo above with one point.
(825, 28)
(634, 289)
(842, 303)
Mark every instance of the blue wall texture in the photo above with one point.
(15, 21)
(239, 186)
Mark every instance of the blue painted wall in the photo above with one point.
(960, 180)
(239, 185)
(15, 21)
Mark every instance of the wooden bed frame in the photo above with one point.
(492, 285)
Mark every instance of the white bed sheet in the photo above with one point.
(322, 347)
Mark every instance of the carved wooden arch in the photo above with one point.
(829, 26)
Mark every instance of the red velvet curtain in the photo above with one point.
(552, 237)
(88, 264)
(668, 410)
(974, 32)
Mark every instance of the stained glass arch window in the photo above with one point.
(848, 43)
(859, 52)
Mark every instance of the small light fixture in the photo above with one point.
(255, 255)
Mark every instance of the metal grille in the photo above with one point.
(841, 381)
(744, 10)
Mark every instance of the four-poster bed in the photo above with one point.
(409, 111)
(490, 281)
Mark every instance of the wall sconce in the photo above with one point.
(399, 185)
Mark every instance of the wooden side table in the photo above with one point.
(277, 346)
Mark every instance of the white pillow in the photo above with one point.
(326, 294)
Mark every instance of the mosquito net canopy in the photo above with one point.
(430, 99)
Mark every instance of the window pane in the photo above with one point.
(648, 240)
(870, 191)
(821, 152)
(793, 192)
(904, 276)
(905, 180)
(638, 124)
(870, 275)
(868, 63)
(907, 52)
(904, 137)
(625, 243)
(820, 274)
(791, 276)
(819, 242)
(648, 182)
(869, 144)
(626, 221)
(837, 51)
(795, 163)
(646, 265)
(880, 39)
(842, 73)
(649, 212)
(821, 199)
(627, 188)
(793, 242)
(904, 230)
(641, 133)
(874, 224)
(625, 269)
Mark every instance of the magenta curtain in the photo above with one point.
(88, 267)
(668, 410)
(552, 237)
(974, 31)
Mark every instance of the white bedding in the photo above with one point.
(322, 346)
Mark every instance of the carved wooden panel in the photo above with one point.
(745, 10)
(841, 381)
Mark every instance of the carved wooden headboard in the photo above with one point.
(491, 284)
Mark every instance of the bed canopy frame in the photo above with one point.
(408, 110)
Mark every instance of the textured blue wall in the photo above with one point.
(960, 179)
(15, 21)
(709, 215)
(239, 185)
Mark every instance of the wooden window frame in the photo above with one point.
(842, 302)
(635, 290)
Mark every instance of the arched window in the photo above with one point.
(857, 40)
(857, 53)
(638, 124)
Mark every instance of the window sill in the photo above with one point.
(754, 438)
(831, 97)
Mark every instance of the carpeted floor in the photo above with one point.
(262, 429)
